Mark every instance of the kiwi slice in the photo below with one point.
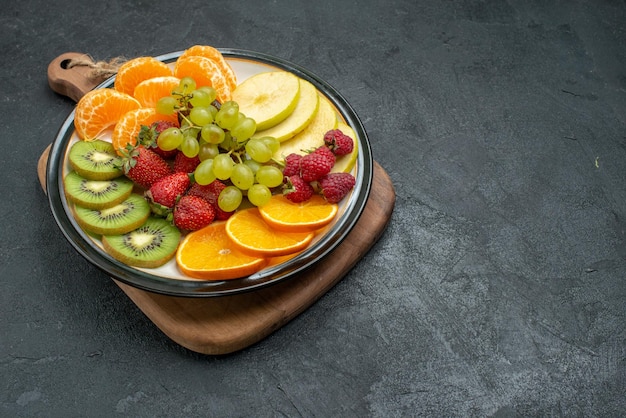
(95, 160)
(151, 245)
(96, 194)
(118, 219)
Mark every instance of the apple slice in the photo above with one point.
(345, 163)
(313, 135)
(302, 115)
(268, 97)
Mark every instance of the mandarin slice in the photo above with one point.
(248, 231)
(128, 127)
(216, 56)
(100, 109)
(283, 215)
(149, 91)
(136, 70)
(205, 72)
(209, 254)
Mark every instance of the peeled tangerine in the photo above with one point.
(268, 98)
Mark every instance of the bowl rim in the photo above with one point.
(269, 276)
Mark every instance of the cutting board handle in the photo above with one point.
(72, 75)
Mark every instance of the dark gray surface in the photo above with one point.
(498, 288)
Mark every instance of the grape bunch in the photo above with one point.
(221, 137)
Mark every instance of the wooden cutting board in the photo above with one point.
(222, 325)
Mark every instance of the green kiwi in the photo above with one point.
(118, 219)
(96, 194)
(151, 245)
(95, 160)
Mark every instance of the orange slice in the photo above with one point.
(129, 125)
(149, 91)
(205, 72)
(216, 56)
(283, 215)
(209, 254)
(248, 231)
(136, 70)
(100, 109)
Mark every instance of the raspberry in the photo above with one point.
(338, 142)
(297, 190)
(317, 164)
(335, 186)
(292, 164)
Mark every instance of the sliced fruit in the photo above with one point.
(95, 160)
(268, 97)
(150, 245)
(216, 56)
(302, 115)
(149, 91)
(100, 109)
(248, 231)
(313, 135)
(345, 163)
(118, 219)
(205, 72)
(209, 254)
(128, 127)
(136, 70)
(283, 215)
(96, 194)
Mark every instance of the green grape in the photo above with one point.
(230, 104)
(203, 173)
(244, 129)
(271, 142)
(200, 116)
(200, 98)
(207, 151)
(269, 176)
(170, 139)
(258, 151)
(254, 165)
(186, 85)
(228, 143)
(229, 199)
(190, 146)
(223, 166)
(166, 105)
(242, 176)
(227, 117)
(259, 194)
(212, 133)
(213, 110)
(211, 93)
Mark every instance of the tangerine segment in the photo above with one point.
(128, 127)
(283, 215)
(216, 56)
(136, 70)
(205, 72)
(149, 91)
(248, 231)
(209, 254)
(100, 109)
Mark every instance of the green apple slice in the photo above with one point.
(268, 98)
(302, 115)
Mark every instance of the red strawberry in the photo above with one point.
(297, 190)
(143, 166)
(184, 164)
(192, 213)
(292, 164)
(148, 137)
(163, 194)
(338, 142)
(317, 164)
(335, 186)
(210, 193)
